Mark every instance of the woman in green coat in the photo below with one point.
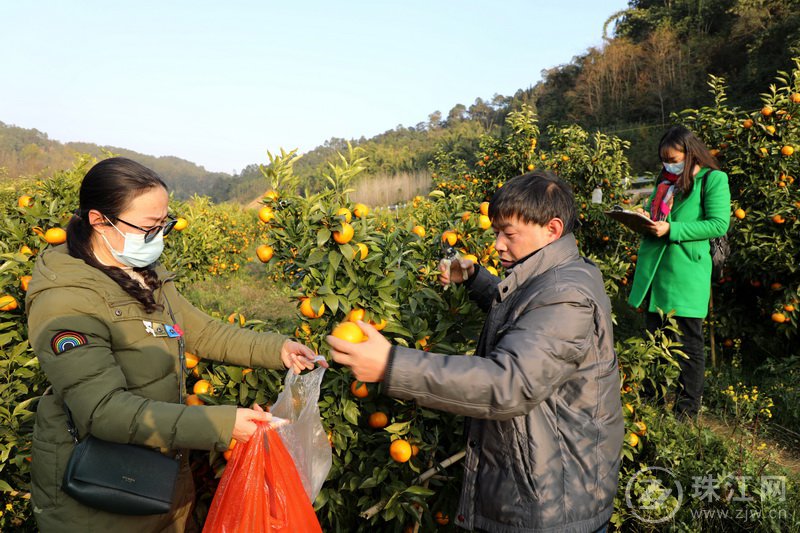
(673, 270)
(109, 329)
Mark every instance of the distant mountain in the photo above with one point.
(27, 153)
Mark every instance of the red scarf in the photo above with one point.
(662, 202)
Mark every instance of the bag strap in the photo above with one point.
(703, 189)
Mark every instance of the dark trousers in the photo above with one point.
(690, 381)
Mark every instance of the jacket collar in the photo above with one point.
(681, 201)
(559, 252)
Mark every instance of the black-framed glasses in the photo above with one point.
(150, 233)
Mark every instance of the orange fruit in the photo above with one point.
(795, 98)
(359, 389)
(629, 407)
(307, 311)
(55, 236)
(344, 212)
(191, 360)
(484, 208)
(356, 314)
(246, 371)
(787, 150)
(181, 224)
(350, 332)
(264, 253)
(194, 399)
(780, 318)
(641, 428)
(360, 210)
(236, 317)
(419, 231)
(778, 219)
(414, 450)
(26, 250)
(8, 303)
(344, 236)
(360, 251)
(272, 195)
(727, 343)
(531, 166)
(491, 270)
(632, 439)
(378, 420)
(739, 213)
(788, 308)
(400, 450)
(441, 518)
(747, 124)
(484, 222)
(766, 110)
(465, 216)
(423, 342)
(379, 325)
(25, 201)
(776, 286)
(265, 214)
(450, 237)
(770, 129)
(24, 281)
(471, 257)
(203, 387)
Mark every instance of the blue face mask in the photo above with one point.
(675, 168)
(135, 252)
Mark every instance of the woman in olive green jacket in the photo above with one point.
(673, 270)
(109, 329)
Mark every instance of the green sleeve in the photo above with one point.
(94, 387)
(715, 215)
(216, 340)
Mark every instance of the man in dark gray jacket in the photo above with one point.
(542, 391)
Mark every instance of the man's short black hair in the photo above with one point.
(536, 197)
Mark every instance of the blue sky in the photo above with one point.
(220, 83)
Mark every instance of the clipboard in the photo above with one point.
(633, 220)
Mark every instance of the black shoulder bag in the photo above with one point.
(121, 478)
(720, 248)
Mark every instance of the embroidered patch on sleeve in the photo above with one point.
(67, 340)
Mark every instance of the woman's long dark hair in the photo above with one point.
(109, 187)
(696, 152)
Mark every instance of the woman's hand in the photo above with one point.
(660, 228)
(299, 357)
(247, 422)
(459, 271)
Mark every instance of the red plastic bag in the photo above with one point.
(260, 491)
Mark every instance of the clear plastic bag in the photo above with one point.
(304, 436)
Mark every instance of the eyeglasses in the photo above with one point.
(150, 233)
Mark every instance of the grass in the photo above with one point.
(250, 293)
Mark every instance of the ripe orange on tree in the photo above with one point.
(379, 325)
(236, 317)
(360, 210)
(787, 150)
(378, 420)
(788, 308)
(359, 389)
(350, 332)
(484, 222)
(441, 518)
(26, 250)
(264, 253)
(484, 208)
(356, 314)
(265, 214)
(24, 281)
(25, 201)
(632, 439)
(795, 98)
(344, 236)
(361, 251)
(8, 303)
(272, 195)
(419, 231)
(194, 399)
(739, 213)
(641, 428)
(766, 110)
(191, 360)
(344, 212)
(450, 237)
(181, 224)
(307, 311)
(747, 124)
(778, 219)
(400, 450)
(55, 236)
(780, 318)
(203, 387)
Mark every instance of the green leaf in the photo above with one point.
(350, 411)
(323, 236)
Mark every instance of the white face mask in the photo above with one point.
(674, 168)
(136, 253)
